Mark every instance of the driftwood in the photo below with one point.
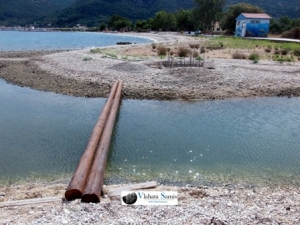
(92, 190)
(30, 201)
(116, 191)
(79, 179)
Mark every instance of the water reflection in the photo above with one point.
(209, 140)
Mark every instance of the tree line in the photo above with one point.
(202, 17)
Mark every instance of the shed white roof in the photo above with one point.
(256, 16)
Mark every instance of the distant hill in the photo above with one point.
(21, 12)
(93, 12)
(67, 13)
(274, 8)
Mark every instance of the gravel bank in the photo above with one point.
(81, 73)
(197, 205)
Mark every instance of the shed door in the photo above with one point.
(243, 29)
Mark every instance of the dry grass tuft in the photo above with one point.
(183, 52)
(239, 55)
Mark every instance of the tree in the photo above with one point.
(142, 25)
(207, 12)
(228, 21)
(102, 27)
(163, 21)
(275, 27)
(283, 24)
(184, 20)
(117, 22)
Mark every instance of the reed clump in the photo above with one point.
(239, 55)
(183, 52)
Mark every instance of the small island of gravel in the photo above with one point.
(91, 72)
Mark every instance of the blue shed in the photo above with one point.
(252, 25)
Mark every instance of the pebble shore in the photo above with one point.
(196, 205)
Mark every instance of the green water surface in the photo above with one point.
(248, 141)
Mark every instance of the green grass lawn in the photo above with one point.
(239, 43)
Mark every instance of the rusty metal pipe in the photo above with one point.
(79, 178)
(92, 191)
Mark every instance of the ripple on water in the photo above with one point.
(206, 142)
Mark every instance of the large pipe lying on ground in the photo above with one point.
(78, 182)
(92, 191)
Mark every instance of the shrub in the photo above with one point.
(276, 52)
(297, 52)
(283, 59)
(214, 46)
(161, 50)
(195, 54)
(198, 58)
(183, 52)
(194, 45)
(253, 56)
(239, 55)
(154, 45)
(112, 55)
(96, 50)
(202, 50)
(268, 50)
(284, 51)
(293, 33)
(85, 59)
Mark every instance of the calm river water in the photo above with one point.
(251, 141)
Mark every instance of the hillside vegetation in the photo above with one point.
(67, 13)
(93, 12)
(274, 8)
(22, 12)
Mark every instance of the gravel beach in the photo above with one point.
(196, 205)
(84, 73)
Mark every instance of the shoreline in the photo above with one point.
(196, 205)
(86, 74)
